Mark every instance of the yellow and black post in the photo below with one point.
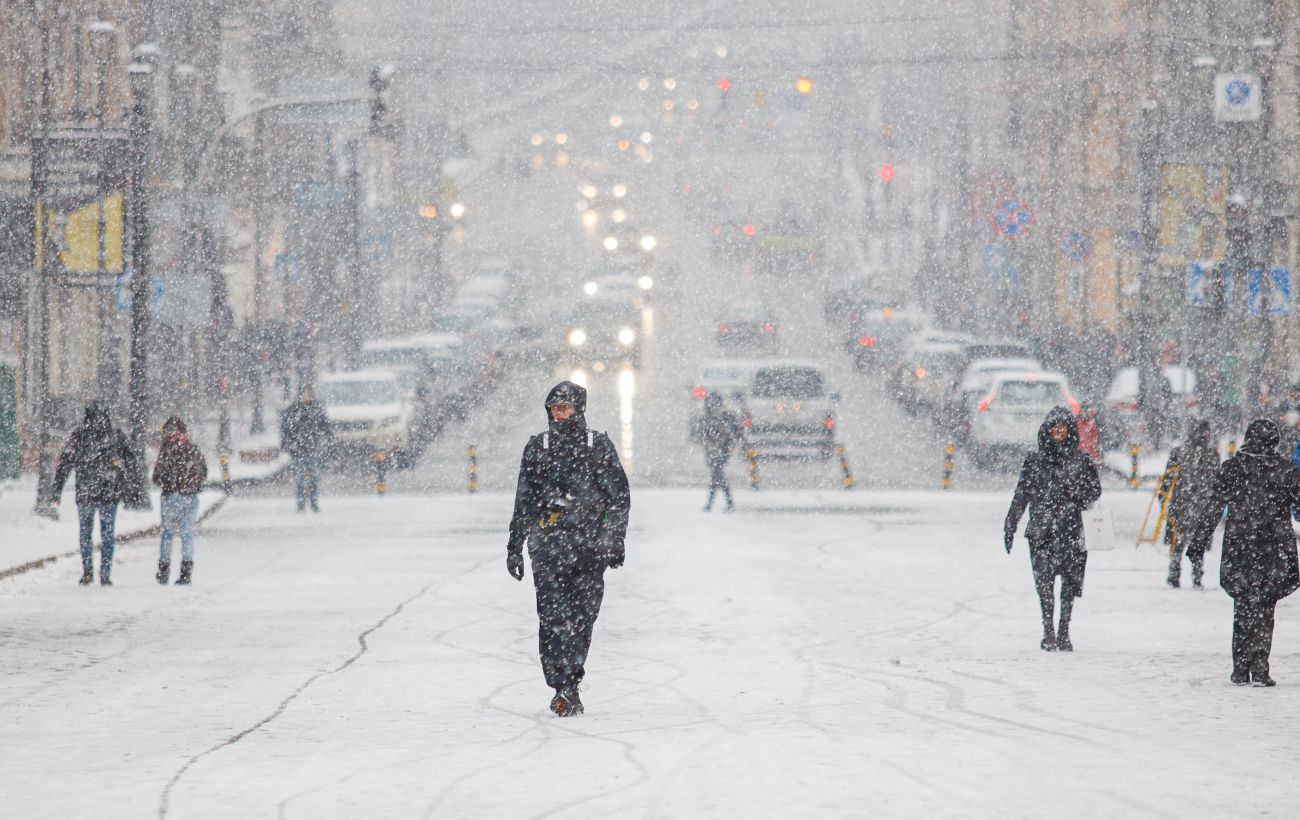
(844, 466)
(1133, 480)
(472, 484)
(1232, 447)
(751, 453)
(225, 471)
(381, 472)
(949, 453)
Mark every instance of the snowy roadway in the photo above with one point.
(815, 654)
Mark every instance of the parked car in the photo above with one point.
(367, 412)
(789, 410)
(1010, 414)
(1119, 417)
(963, 396)
(876, 338)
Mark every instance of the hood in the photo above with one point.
(1055, 416)
(1198, 434)
(97, 420)
(567, 392)
(1262, 437)
(713, 403)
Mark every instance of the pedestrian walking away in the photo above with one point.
(719, 433)
(1190, 473)
(571, 508)
(306, 436)
(104, 464)
(180, 471)
(1057, 483)
(1261, 492)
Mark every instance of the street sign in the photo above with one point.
(1076, 247)
(122, 293)
(1237, 98)
(1001, 269)
(1268, 292)
(1198, 284)
(288, 267)
(1012, 218)
(81, 163)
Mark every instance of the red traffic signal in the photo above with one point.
(724, 85)
(886, 172)
(749, 229)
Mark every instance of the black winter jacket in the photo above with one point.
(719, 431)
(574, 473)
(1197, 461)
(1057, 482)
(305, 430)
(1261, 490)
(181, 469)
(101, 457)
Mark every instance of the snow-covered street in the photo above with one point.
(814, 654)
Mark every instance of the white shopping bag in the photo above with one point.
(1098, 530)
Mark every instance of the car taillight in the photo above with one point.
(723, 327)
(1126, 405)
(986, 401)
(769, 328)
(699, 393)
(1074, 405)
(748, 422)
(829, 422)
(867, 341)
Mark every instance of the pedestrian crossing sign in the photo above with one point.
(1268, 291)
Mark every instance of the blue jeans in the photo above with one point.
(178, 514)
(306, 478)
(86, 520)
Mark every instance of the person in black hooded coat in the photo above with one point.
(1261, 491)
(718, 434)
(571, 507)
(1197, 462)
(104, 464)
(1057, 482)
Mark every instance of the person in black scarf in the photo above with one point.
(1057, 482)
(1261, 491)
(571, 507)
(1197, 462)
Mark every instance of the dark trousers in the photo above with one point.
(1179, 540)
(568, 601)
(718, 481)
(1252, 636)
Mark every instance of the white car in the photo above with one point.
(1009, 415)
(367, 410)
(960, 404)
(730, 379)
(1120, 420)
(789, 411)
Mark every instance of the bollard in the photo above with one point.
(844, 466)
(752, 454)
(1133, 480)
(381, 470)
(224, 458)
(1232, 447)
(949, 452)
(472, 485)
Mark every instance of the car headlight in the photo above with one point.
(645, 283)
(648, 243)
(577, 337)
(590, 288)
(626, 336)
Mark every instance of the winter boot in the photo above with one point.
(1198, 572)
(164, 572)
(1175, 578)
(1255, 680)
(1240, 678)
(568, 702)
(87, 577)
(186, 568)
(1048, 644)
(1063, 639)
(105, 580)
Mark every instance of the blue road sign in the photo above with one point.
(287, 267)
(1012, 218)
(1197, 282)
(122, 293)
(1076, 246)
(1268, 291)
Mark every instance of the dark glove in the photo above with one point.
(515, 564)
(1008, 541)
(613, 552)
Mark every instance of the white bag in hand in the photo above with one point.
(1098, 530)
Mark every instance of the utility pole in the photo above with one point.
(258, 365)
(39, 197)
(141, 75)
(108, 380)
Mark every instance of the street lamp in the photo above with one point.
(141, 77)
(103, 36)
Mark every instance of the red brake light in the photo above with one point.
(723, 327)
(699, 393)
(829, 422)
(749, 229)
(769, 328)
(986, 401)
(748, 422)
(867, 341)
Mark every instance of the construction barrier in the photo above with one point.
(472, 484)
(752, 454)
(381, 472)
(844, 466)
(1133, 479)
(1163, 492)
(1232, 447)
(949, 453)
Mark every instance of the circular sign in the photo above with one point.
(1237, 92)
(1012, 218)
(1076, 246)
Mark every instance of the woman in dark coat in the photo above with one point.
(104, 464)
(1197, 461)
(1057, 482)
(180, 472)
(719, 434)
(1261, 490)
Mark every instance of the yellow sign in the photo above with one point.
(1191, 213)
(75, 236)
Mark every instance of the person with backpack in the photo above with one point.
(180, 471)
(571, 508)
(1261, 492)
(1196, 461)
(105, 465)
(1057, 483)
(718, 433)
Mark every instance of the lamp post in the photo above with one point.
(141, 75)
(40, 147)
(103, 37)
